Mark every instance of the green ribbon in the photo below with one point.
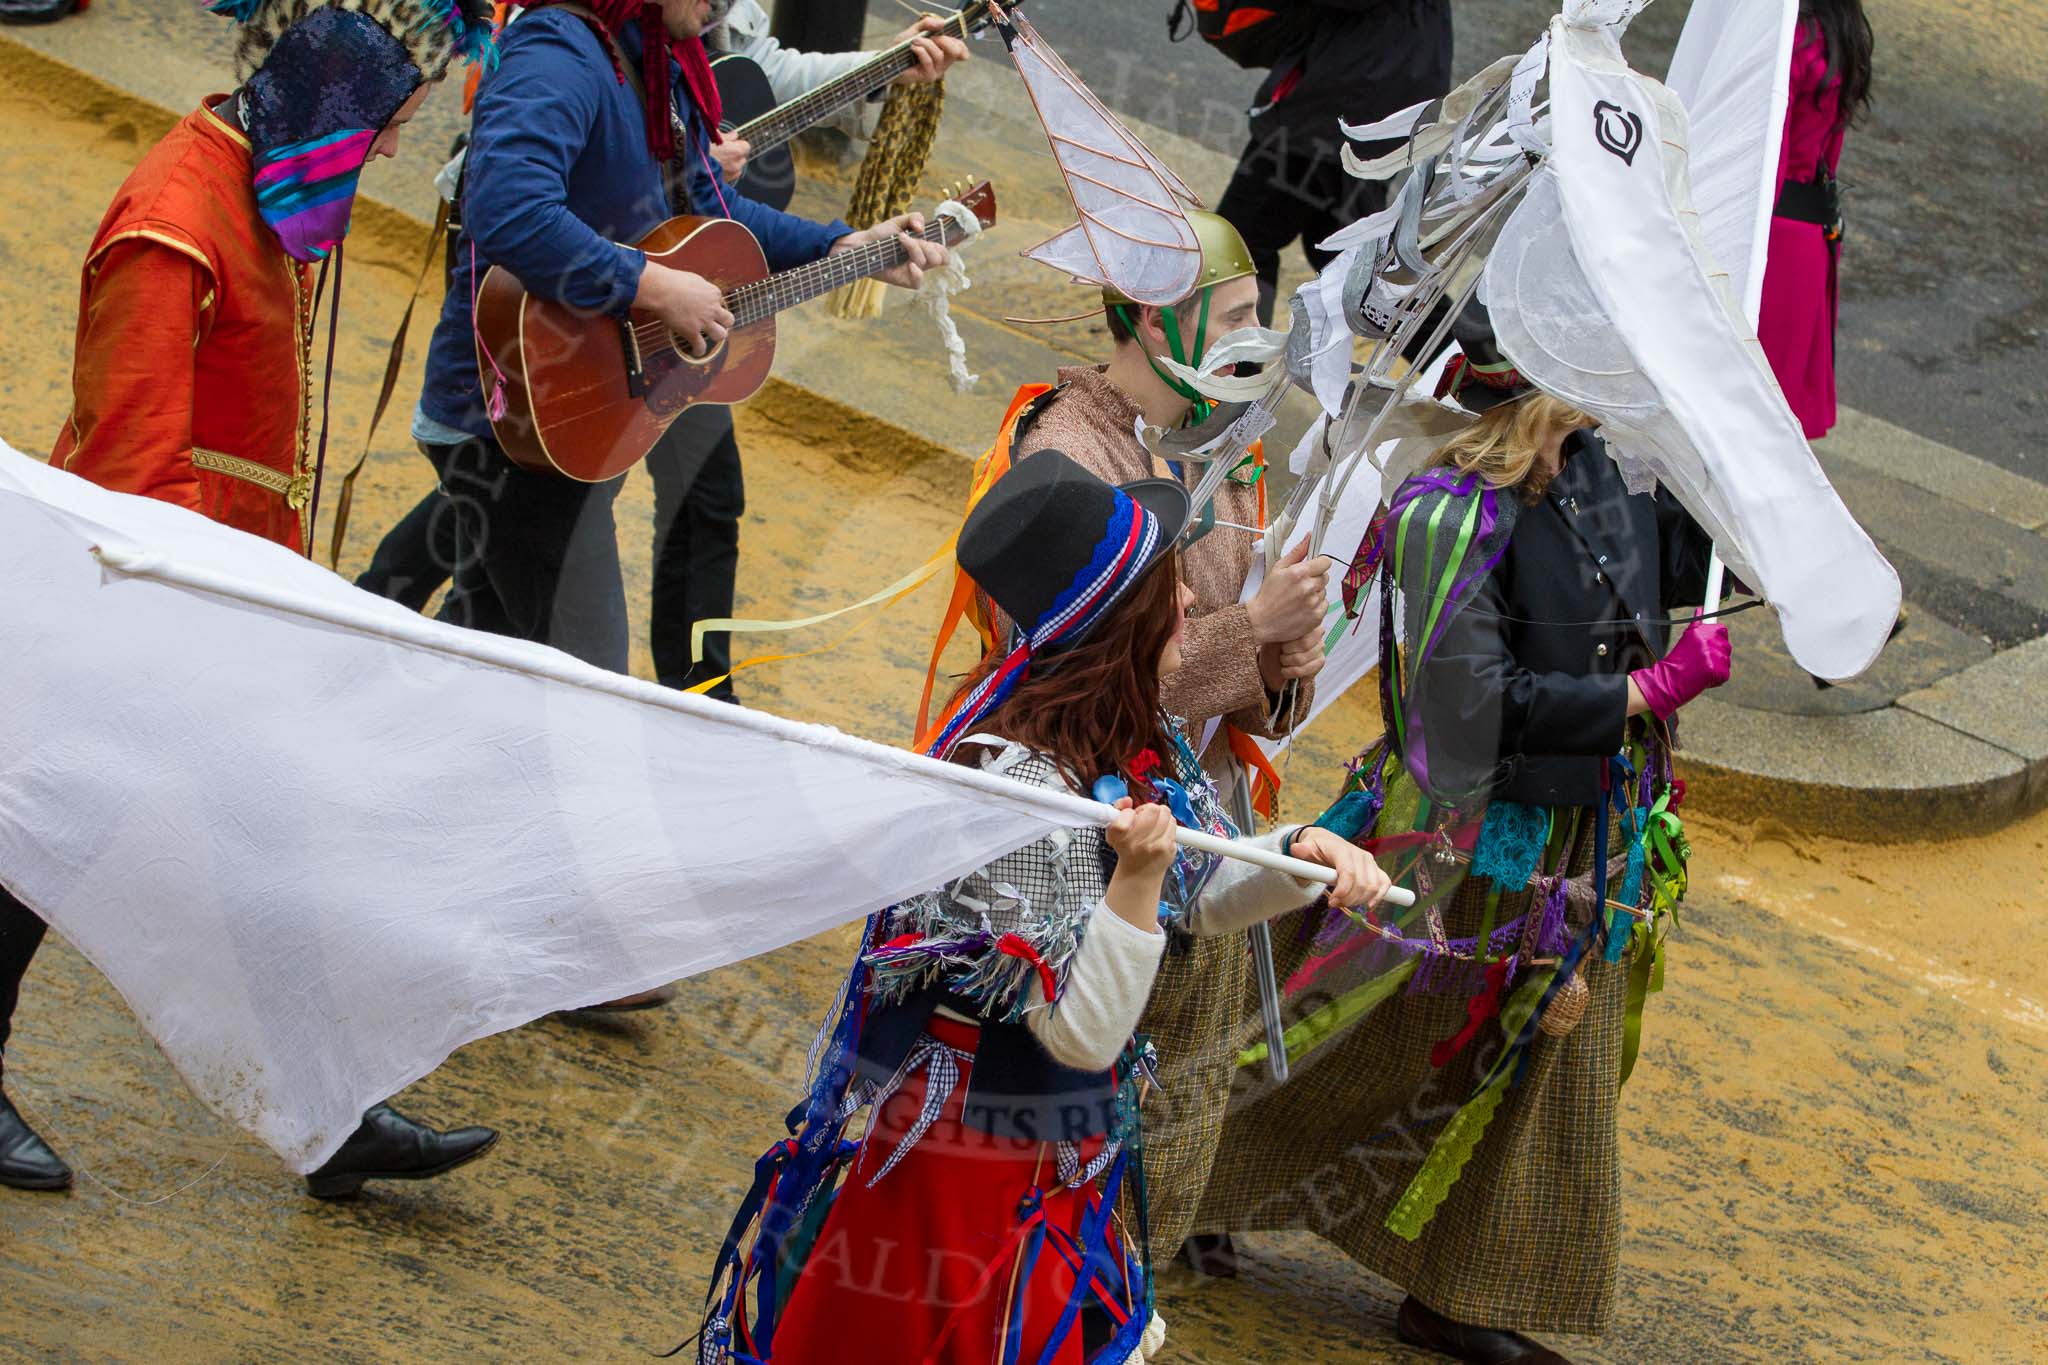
(1485, 948)
(1176, 346)
(1454, 1146)
(1645, 979)
(1445, 580)
(1667, 855)
(1313, 1030)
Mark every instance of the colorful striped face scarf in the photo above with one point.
(321, 98)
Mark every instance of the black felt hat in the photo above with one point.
(1482, 377)
(1056, 547)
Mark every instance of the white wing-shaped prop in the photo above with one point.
(1133, 233)
(1578, 213)
(319, 842)
(1603, 292)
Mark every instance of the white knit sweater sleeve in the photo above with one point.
(1242, 894)
(790, 72)
(1107, 985)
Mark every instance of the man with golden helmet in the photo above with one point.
(1247, 666)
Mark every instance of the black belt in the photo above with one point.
(1817, 201)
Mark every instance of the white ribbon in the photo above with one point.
(934, 295)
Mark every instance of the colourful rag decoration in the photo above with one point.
(322, 89)
(1425, 810)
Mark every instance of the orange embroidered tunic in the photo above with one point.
(192, 379)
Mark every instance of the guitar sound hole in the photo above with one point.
(683, 349)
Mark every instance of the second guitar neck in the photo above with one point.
(785, 121)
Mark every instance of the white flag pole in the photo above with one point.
(523, 657)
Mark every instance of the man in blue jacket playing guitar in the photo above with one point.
(580, 142)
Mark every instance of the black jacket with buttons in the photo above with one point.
(1531, 676)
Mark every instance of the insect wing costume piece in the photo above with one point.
(1133, 235)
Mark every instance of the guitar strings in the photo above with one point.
(767, 130)
(760, 299)
(830, 271)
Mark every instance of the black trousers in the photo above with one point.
(700, 495)
(21, 933)
(699, 498)
(1279, 195)
(536, 555)
(417, 555)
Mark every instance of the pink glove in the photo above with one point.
(1697, 662)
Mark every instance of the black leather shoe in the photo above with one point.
(1419, 1325)
(26, 1161)
(390, 1146)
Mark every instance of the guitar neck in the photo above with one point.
(764, 298)
(785, 121)
(813, 107)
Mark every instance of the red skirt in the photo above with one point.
(924, 1267)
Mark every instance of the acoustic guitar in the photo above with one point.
(752, 113)
(587, 395)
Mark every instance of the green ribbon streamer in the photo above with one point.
(1179, 349)
(1454, 1146)
(1485, 949)
(1449, 577)
(1445, 580)
(1445, 1163)
(1645, 978)
(1313, 1030)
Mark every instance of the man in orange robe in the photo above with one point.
(192, 379)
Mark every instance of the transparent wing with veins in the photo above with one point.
(1133, 232)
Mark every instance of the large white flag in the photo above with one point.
(1602, 292)
(318, 842)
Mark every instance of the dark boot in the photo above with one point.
(26, 1161)
(1420, 1325)
(390, 1146)
(1213, 1254)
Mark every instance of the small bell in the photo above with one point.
(1567, 1007)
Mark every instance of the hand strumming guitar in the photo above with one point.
(921, 254)
(692, 306)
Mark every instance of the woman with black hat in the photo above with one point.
(987, 1024)
(1460, 1138)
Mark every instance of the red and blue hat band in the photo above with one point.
(1121, 556)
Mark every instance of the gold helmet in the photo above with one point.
(1225, 257)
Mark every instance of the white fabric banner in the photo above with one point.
(319, 842)
(1732, 69)
(1602, 292)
